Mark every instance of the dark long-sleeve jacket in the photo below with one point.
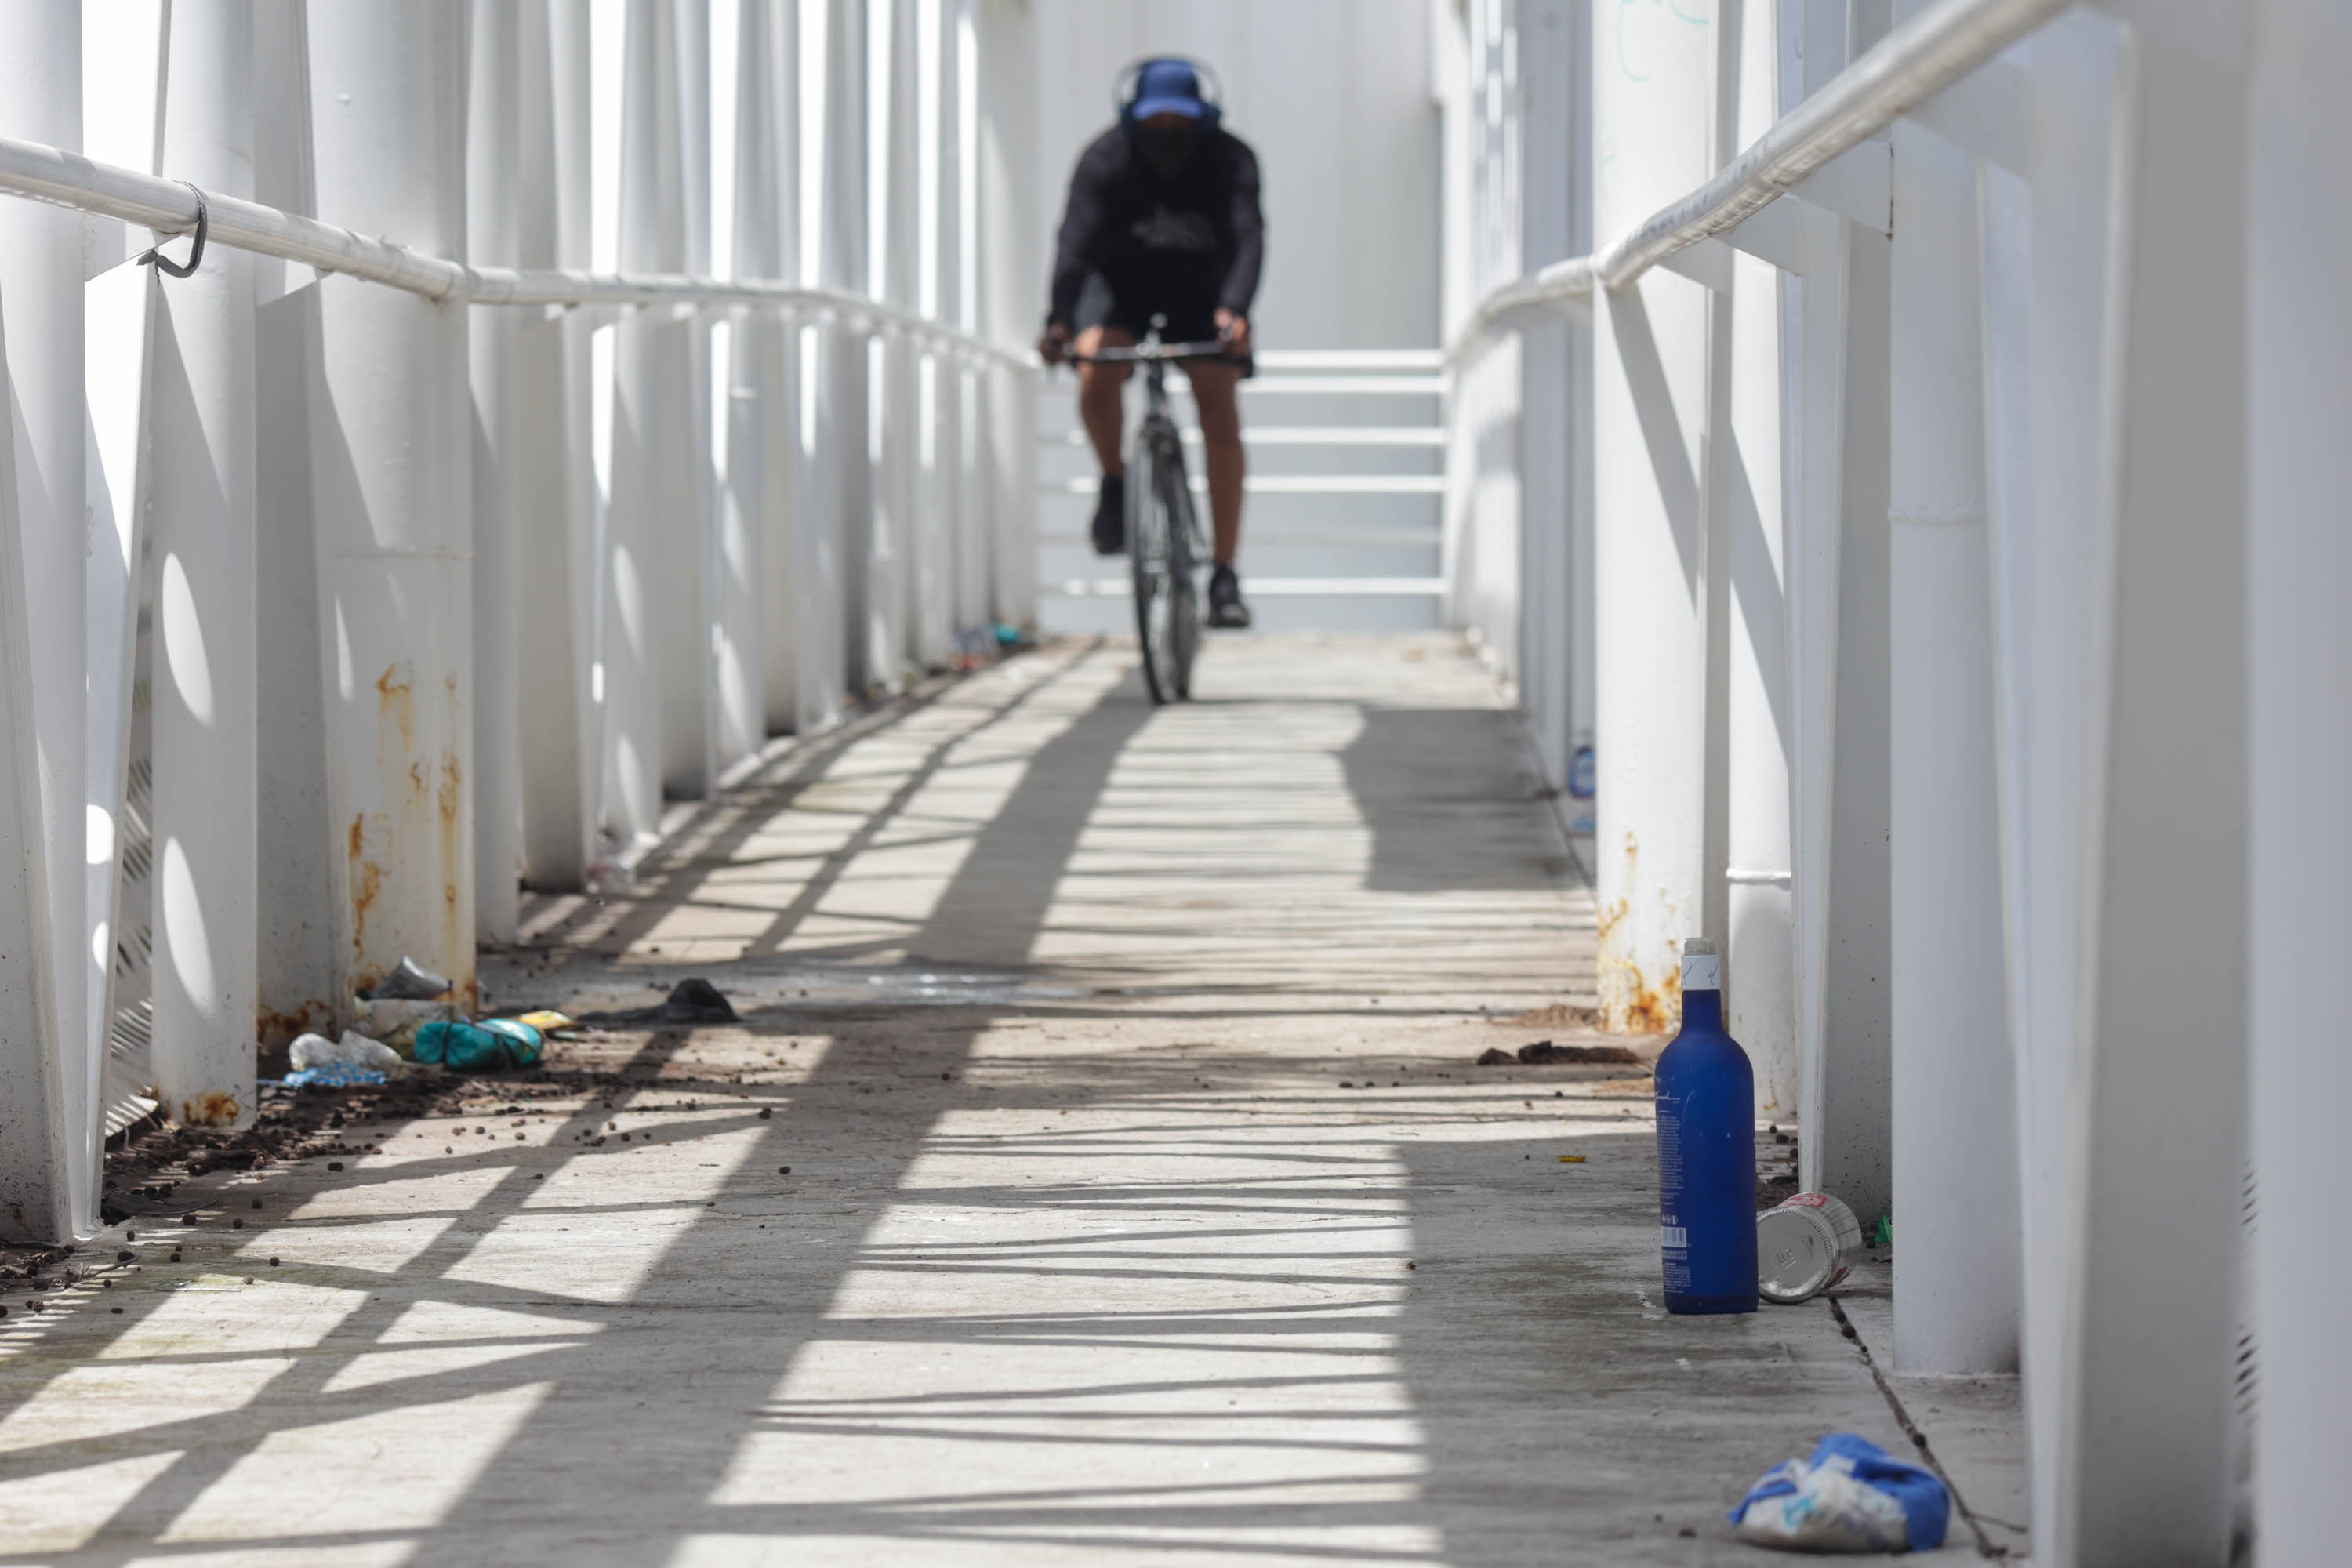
(1196, 236)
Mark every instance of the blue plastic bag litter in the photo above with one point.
(1851, 1496)
(492, 1044)
(334, 1074)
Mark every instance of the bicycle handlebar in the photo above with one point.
(1145, 354)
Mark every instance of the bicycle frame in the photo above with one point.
(1164, 543)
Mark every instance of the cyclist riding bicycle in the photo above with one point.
(1163, 220)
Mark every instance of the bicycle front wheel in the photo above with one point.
(1151, 544)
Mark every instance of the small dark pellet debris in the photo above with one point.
(1346, 1084)
(1920, 1439)
(256, 1203)
(947, 1077)
(237, 1224)
(188, 1220)
(767, 1112)
(1686, 1531)
(273, 1263)
(334, 1164)
(784, 1170)
(248, 1279)
(1848, 1332)
(1409, 1263)
(126, 1258)
(116, 1310)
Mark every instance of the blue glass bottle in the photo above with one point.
(1707, 1152)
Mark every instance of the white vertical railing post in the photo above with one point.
(742, 245)
(1548, 69)
(50, 1173)
(554, 499)
(203, 501)
(2145, 1441)
(1650, 400)
(653, 496)
(892, 262)
(1011, 225)
(685, 599)
(934, 411)
(2300, 746)
(494, 198)
(829, 565)
(849, 352)
(1954, 1111)
(390, 465)
(689, 604)
(775, 363)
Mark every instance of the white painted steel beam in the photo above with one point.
(2045, 577)
(391, 469)
(494, 215)
(555, 512)
(1748, 507)
(1954, 1102)
(202, 498)
(2153, 1309)
(1652, 399)
(2300, 904)
(49, 1160)
(121, 103)
(303, 930)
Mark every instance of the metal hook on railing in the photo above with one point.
(163, 263)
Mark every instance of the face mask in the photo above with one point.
(1167, 149)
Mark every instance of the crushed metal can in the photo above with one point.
(1804, 1246)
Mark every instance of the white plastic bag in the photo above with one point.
(355, 1049)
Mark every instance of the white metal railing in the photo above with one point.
(1909, 66)
(171, 207)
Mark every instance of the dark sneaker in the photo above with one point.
(1110, 516)
(1226, 610)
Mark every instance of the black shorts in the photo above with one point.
(1191, 319)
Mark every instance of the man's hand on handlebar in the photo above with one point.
(1234, 331)
(1054, 346)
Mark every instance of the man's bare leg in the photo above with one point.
(1215, 392)
(1099, 386)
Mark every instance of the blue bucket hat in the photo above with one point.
(1169, 86)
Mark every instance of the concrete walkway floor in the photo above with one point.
(1142, 1200)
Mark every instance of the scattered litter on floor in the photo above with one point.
(355, 1049)
(409, 982)
(1544, 1051)
(395, 1022)
(1572, 1159)
(335, 1075)
(546, 1020)
(1804, 1246)
(489, 1046)
(1851, 1496)
(691, 1001)
(1559, 1015)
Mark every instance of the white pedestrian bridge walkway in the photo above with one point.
(1144, 1200)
